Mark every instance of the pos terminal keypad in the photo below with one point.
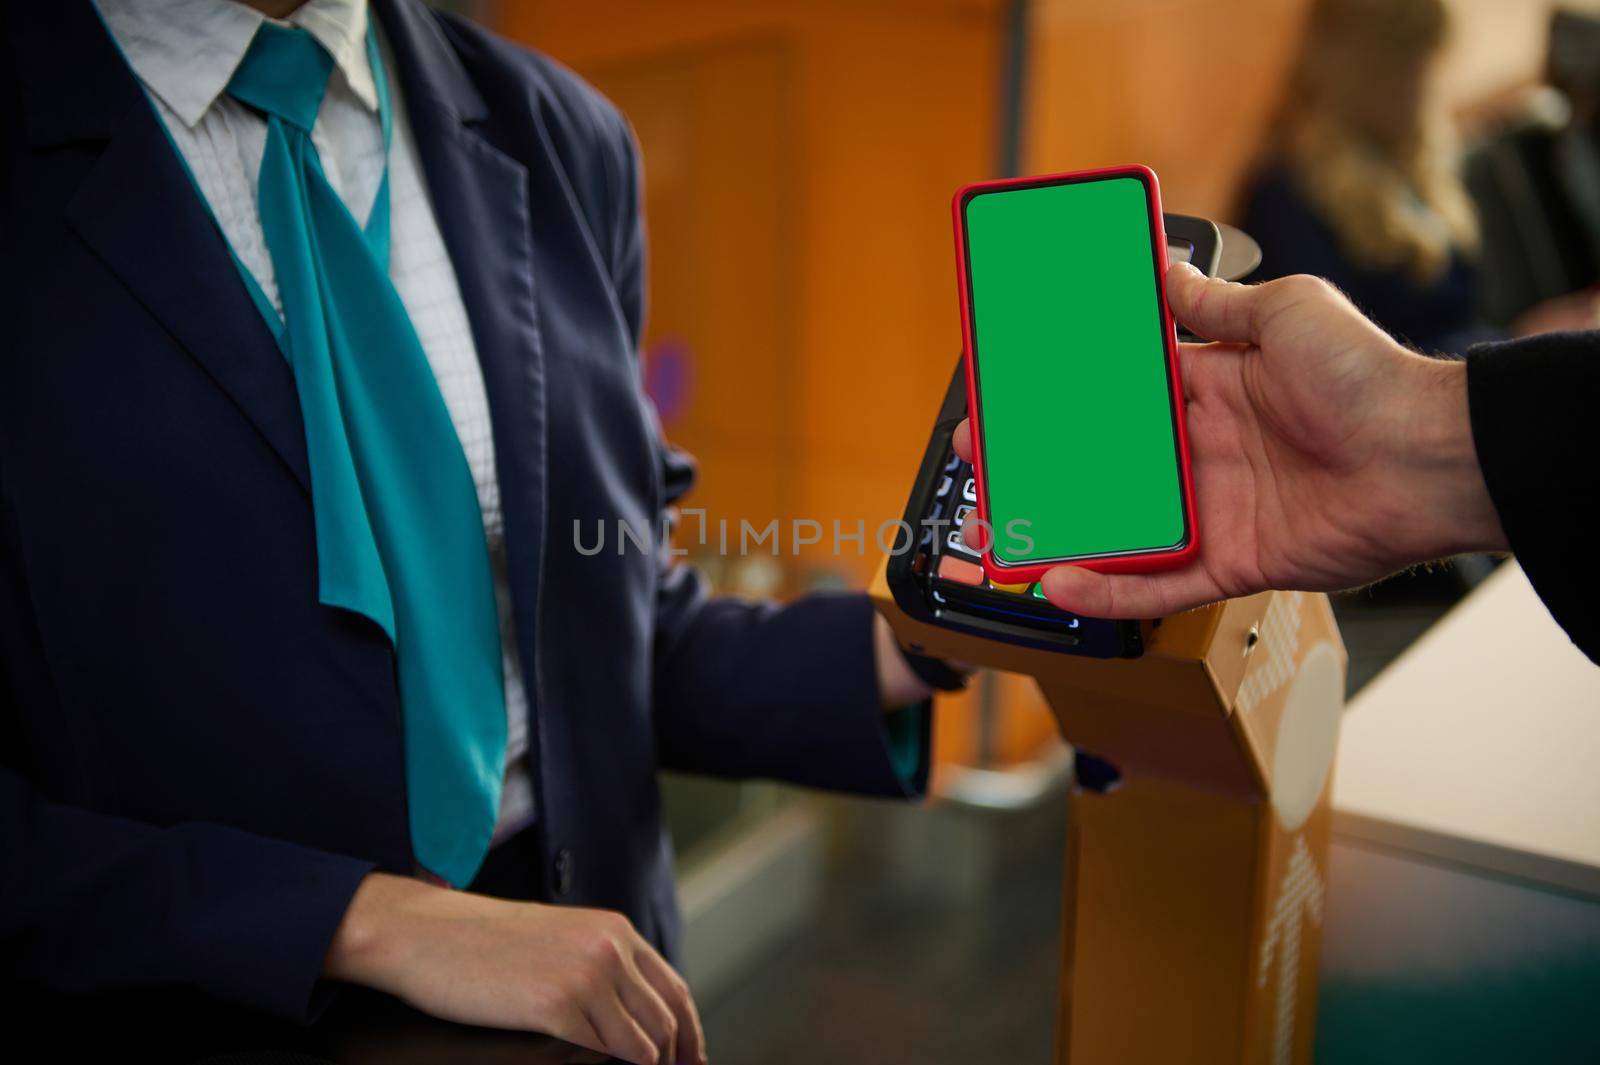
(953, 588)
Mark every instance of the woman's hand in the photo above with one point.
(584, 976)
(1325, 455)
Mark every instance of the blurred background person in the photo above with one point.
(1536, 181)
(1359, 182)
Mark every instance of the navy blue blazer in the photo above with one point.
(199, 762)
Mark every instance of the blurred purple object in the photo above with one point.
(668, 377)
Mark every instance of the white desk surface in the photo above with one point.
(1480, 745)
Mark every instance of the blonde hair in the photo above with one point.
(1362, 141)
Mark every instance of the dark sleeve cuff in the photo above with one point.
(93, 903)
(1533, 404)
(268, 952)
(853, 745)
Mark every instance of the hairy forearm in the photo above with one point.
(1447, 507)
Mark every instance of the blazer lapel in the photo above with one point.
(141, 215)
(480, 197)
(139, 211)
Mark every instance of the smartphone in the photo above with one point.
(1080, 449)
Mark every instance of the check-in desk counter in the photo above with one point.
(1463, 916)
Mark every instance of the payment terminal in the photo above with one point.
(937, 578)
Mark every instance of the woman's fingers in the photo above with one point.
(621, 1035)
(691, 1049)
(576, 1028)
(650, 1010)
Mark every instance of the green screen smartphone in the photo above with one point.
(1072, 377)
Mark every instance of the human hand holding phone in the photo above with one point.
(1325, 455)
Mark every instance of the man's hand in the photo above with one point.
(584, 976)
(1325, 455)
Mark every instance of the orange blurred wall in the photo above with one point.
(799, 162)
(1183, 86)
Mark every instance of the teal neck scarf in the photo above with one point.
(399, 532)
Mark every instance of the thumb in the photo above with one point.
(1213, 308)
(1097, 595)
(1131, 595)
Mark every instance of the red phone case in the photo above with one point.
(1145, 562)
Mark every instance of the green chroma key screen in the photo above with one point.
(1077, 421)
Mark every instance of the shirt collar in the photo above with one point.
(185, 51)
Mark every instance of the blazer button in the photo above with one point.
(563, 870)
